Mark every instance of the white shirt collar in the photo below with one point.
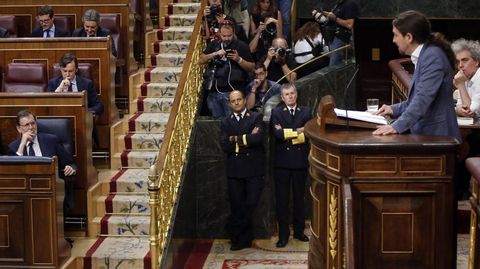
(475, 77)
(416, 54)
(242, 113)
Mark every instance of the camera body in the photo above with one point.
(282, 52)
(319, 17)
(214, 11)
(228, 52)
(270, 31)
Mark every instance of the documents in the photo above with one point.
(361, 116)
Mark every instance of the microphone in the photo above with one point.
(345, 94)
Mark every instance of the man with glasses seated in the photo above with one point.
(260, 89)
(32, 143)
(47, 28)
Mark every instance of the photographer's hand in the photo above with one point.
(206, 11)
(330, 15)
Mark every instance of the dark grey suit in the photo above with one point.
(429, 109)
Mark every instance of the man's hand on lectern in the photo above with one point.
(384, 130)
(384, 110)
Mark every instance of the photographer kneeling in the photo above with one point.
(229, 62)
(279, 62)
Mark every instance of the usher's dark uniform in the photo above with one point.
(245, 165)
(290, 166)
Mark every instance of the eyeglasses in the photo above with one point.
(226, 22)
(29, 124)
(44, 21)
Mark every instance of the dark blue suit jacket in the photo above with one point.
(50, 146)
(83, 84)
(101, 32)
(250, 159)
(429, 108)
(286, 154)
(38, 32)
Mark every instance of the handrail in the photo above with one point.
(164, 178)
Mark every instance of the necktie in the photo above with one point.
(292, 112)
(70, 88)
(31, 152)
(47, 33)
(239, 116)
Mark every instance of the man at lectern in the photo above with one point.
(290, 162)
(429, 107)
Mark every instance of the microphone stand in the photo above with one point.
(345, 94)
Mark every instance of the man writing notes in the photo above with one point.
(241, 140)
(429, 108)
(290, 162)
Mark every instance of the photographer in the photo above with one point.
(268, 29)
(229, 63)
(340, 22)
(213, 17)
(279, 62)
(309, 43)
(260, 89)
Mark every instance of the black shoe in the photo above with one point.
(301, 237)
(281, 243)
(235, 247)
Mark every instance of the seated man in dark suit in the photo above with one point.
(32, 143)
(71, 82)
(47, 28)
(91, 28)
(4, 32)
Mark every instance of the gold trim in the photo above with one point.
(24, 179)
(314, 198)
(442, 164)
(332, 224)
(374, 171)
(473, 237)
(328, 162)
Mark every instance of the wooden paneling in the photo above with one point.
(96, 51)
(71, 106)
(31, 223)
(401, 213)
(27, 9)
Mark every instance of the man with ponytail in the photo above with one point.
(429, 108)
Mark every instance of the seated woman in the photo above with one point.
(265, 25)
(309, 43)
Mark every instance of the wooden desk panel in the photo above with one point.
(391, 196)
(31, 218)
(56, 105)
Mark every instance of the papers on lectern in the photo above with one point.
(361, 116)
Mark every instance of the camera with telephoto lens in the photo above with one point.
(270, 31)
(319, 17)
(282, 52)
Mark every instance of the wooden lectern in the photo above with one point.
(381, 202)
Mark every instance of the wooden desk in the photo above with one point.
(381, 201)
(31, 218)
(72, 106)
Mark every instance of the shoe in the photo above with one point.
(301, 237)
(235, 247)
(282, 243)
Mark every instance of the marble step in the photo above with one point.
(134, 204)
(134, 141)
(167, 59)
(171, 47)
(154, 104)
(119, 253)
(183, 8)
(158, 89)
(163, 74)
(175, 33)
(133, 180)
(135, 158)
(123, 225)
(148, 122)
(179, 20)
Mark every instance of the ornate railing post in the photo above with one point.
(154, 202)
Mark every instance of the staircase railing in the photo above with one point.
(166, 174)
